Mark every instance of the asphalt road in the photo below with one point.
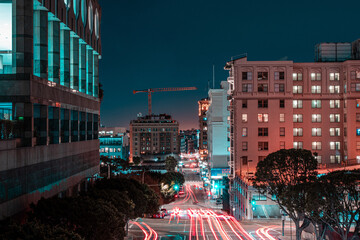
(193, 216)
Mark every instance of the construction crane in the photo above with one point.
(151, 90)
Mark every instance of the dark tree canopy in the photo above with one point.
(170, 164)
(287, 174)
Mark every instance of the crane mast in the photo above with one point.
(152, 90)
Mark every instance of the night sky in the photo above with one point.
(174, 43)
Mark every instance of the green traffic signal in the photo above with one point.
(253, 202)
(176, 187)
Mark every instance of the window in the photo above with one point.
(263, 117)
(282, 117)
(247, 87)
(316, 132)
(334, 76)
(297, 89)
(244, 146)
(244, 160)
(354, 75)
(334, 132)
(334, 89)
(262, 87)
(246, 75)
(279, 87)
(315, 89)
(262, 75)
(263, 146)
(355, 87)
(358, 117)
(315, 76)
(244, 132)
(297, 118)
(282, 131)
(357, 145)
(335, 159)
(297, 104)
(318, 158)
(297, 132)
(297, 77)
(282, 103)
(262, 103)
(298, 145)
(357, 132)
(279, 75)
(334, 117)
(244, 118)
(335, 145)
(316, 103)
(316, 118)
(316, 145)
(357, 103)
(334, 103)
(282, 145)
(263, 132)
(244, 103)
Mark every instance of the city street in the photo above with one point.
(193, 216)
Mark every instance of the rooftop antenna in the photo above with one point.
(213, 76)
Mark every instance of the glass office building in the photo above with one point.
(49, 99)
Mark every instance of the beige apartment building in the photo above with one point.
(280, 105)
(154, 135)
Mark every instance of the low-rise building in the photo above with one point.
(114, 142)
(154, 135)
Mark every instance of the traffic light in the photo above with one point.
(253, 202)
(176, 187)
(216, 186)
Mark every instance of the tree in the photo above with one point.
(90, 218)
(36, 230)
(340, 208)
(170, 163)
(287, 174)
(168, 181)
(136, 160)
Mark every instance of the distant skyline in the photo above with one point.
(155, 44)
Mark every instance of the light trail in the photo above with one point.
(242, 230)
(152, 232)
(142, 229)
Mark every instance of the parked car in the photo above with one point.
(164, 211)
(158, 215)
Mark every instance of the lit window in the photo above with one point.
(334, 132)
(263, 117)
(315, 76)
(316, 103)
(298, 145)
(357, 103)
(334, 145)
(334, 117)
(315, 89)
(244, 117)
(297, 76)
(282, 117)
(244, 132)
(357, 145)
(318, 158)
(297, 118)
(297, 89)
(297, 132)
(334, 89)
(297, 104)
(316, 145)
(354, 75)
(246, 75)
(334, 76)
(316, 132)
(334, 103)
(316, 118)
(358, 132)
